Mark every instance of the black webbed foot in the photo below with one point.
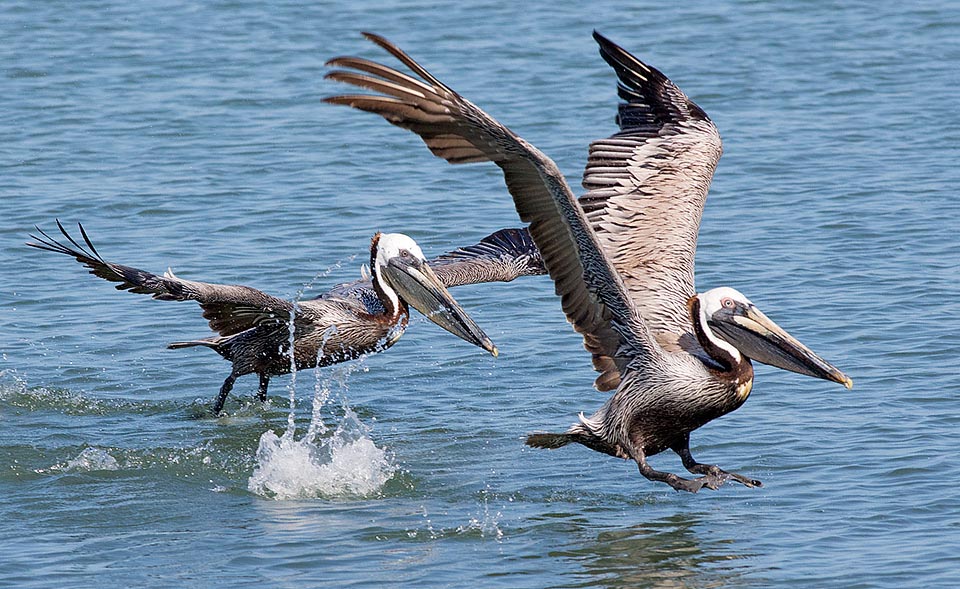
(714, 481)
(682, 484)
(717, 475)
(721, 476)
(678, 483)
(745, 481)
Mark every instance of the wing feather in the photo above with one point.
(593, 296)
(229, 309)
(499, 257)
(647, 185)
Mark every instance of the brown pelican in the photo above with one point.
(621, 256)
(350, 320)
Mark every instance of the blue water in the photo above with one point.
(193, 135)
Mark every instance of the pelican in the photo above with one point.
(350, 320)
(621, 256)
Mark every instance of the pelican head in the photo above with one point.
(736, 325)
(402, 270)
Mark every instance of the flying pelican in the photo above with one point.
(350, 320)
(621, 256)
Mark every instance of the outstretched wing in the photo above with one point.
(229, 309)
(593, 297)
(499, 257)
(647, 187)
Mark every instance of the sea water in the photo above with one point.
(193, 135)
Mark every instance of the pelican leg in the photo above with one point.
(678, 483)
(262, 391)
(710, 471)
(225, 389)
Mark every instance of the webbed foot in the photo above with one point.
(716, 474)
(719, 476)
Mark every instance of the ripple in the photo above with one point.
(192, 135)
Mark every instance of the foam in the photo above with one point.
(91, 459)
(348, 464)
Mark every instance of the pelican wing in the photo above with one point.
(647, 186)
(498, 257)
(593, 297)
(229, 309)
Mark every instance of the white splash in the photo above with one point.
(344, 464)
(91, 459)
(486, 522)
(338, 466)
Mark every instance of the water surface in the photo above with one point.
(194, 136)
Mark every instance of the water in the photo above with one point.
(193, 136)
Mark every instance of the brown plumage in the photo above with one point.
(347, 322)
(621, 256)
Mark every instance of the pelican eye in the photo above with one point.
(728, 303)
(406, 255)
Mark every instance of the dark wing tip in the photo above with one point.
(44, 241)
(373, 37)
(386, 45)
(402, 56)
(509, 244)
(378, 39)
(646, 86)
(604, 42)
(617, 56)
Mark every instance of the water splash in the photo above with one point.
(292, 336)
(347, 463)
(91, 459)
(323, 274)
(486, 522)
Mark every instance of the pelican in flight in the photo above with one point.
(621, 256)
(350, 320)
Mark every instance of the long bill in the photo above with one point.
(417, 284)
(760, 339)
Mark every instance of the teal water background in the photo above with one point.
(193, 135)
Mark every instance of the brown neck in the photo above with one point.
(391, 310)
(721, 358)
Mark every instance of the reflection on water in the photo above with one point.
(676, 551)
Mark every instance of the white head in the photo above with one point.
(394, 245)
(402, 271)
(731, 322)
(715, 300)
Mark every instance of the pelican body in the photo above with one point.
(362, 317)
(621, 256)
